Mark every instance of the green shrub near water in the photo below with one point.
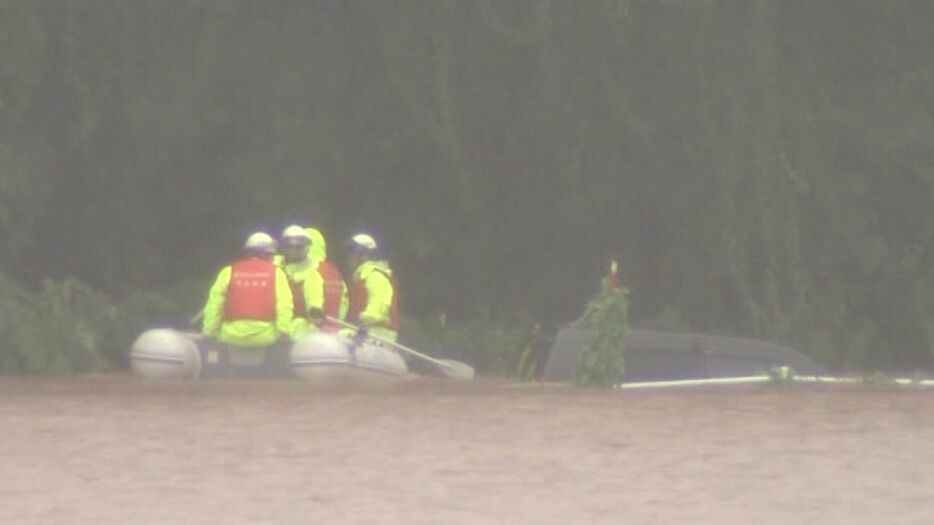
(59, 328)
(494, 346)
(602, 359)
(67, 327)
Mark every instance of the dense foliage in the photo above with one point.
(67, 327)
(761, 167)
(603, 359)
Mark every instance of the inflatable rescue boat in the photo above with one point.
(165, 353)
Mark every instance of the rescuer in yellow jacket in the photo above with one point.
(336, 297)
(373, 296)
(319, 247)
(305, 281)
(250, 303)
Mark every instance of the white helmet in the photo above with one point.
(260, 242)
(362, 240)
(295, 235)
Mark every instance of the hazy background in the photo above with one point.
(761, 167)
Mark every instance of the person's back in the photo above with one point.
(250, 303)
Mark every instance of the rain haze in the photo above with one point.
(476, 261)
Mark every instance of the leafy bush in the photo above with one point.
(601, 361)
(492, 346)
(60, 328)
(68, 327)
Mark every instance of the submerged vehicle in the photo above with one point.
(652, 355)
(165, 353)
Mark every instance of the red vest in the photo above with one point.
(251, 293)
(359, 299)
(333, 289)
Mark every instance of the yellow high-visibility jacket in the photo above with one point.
(377, 312)
(319, 247)
(306, 272)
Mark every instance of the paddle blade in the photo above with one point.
(456, 369)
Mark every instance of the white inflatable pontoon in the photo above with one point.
(164, 353)
(319, 357)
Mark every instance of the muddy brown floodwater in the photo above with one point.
(121, 451)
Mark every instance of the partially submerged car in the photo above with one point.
(651, 355)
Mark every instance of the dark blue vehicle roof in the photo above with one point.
(652, 355)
